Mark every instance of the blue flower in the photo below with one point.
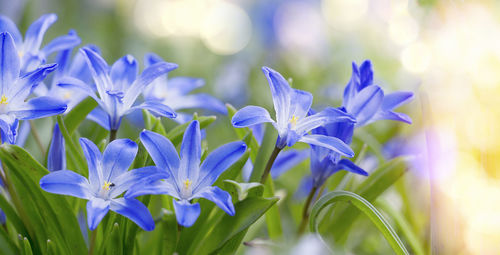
(14, 89)
(189, 179)
(108, 179)
(325, 162)
(292, 106)
(367, 102)
(174, 92)
(118, 88)
(56, 158)
(29, 48)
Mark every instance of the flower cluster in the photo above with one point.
(120, 90)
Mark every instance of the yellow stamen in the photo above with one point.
(187, 183)
(67, 95)
(294, 120)
(3, 100)
(107, 185)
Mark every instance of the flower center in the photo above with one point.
(186, 189)
(3, 100)
(107, 186)
(293, 121)
(67, 95)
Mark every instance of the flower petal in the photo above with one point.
(184, 85)
(8, 125)
(66, 182)
(123, 72)
(117, 158)
(390, 115)
(61, 43)
(9, 62)
(156, 108)
(144, 175)
(281, 93)
(218, 161)
(366, 103)
(352, 87)
(345, 164)
(286, 160)
(328, 142)
(99, 116)
(35, 33)
(300, 104)
(7, 25)
(365, 75)
(166, 187)
(151, 59)
(250, 115)
(201, 101)
(162, 151)
(186, 213)
(78, 86)
(56, 159)
(189, 167)
(99, 70)
(396, 99)
(328, 115)
(135, 211)
(40, 107)
(94, 161)
(147, 76)
(24, 131)
(24, 86)
(97, 208)
(220, 197)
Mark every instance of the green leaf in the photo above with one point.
(371, 188)
(79, 113)
(175, 135)
(224, 227)
(114, 243)
(75, 154)
(362, 205)
(169, 233)
(243, 189)
(44, 215)
(7, 245)
(27, 247)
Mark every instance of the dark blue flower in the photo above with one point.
(174, 92)
(56, 158)
(108, 179)
(189, 180)
(292, 122)
(118, 88)
(14, 90)
(29, 48)
(367, 102)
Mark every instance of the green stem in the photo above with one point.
(269, 164)
(37, 137)
(305, 211)
(112, 135)
(92, 242)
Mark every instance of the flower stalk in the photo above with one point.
(269, 164)
(305, 211)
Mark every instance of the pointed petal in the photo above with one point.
(162, 151)
(328, 115)
(40, 107)
(35, 33)
(123, 72)
(328, 142)
(100, 117)
(300, 104)
(220, 197)
(117, 158)
(63, 58)
(345, 164)
(184, 85)
(218, 161)
(28, 82)
(190, 153)
(99, 70)
(352, 87)
(366, 103)
(9, 62)
(24, 132)
(78, 86)
(140, 176)
(61, 43)
(390, 115)
(250, 115)
(366, 75)
(147, 76)
(135, 211)
(8, 125)
(186, 213)
(94, 158)
(56, 159)
(156, 108)
(7, 25)
(396, 99)
(97, 208)
(166, 187)
(281, 93)
(200, 101)
(66, 182)
(286, 160)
